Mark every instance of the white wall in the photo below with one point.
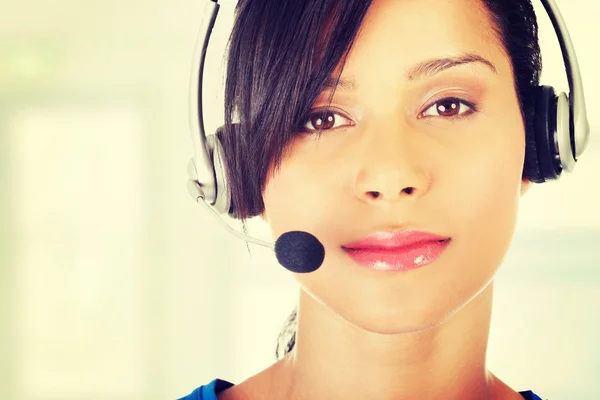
(115, 285)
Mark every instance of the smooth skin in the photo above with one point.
(410, 143)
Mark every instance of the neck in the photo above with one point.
(332, 356)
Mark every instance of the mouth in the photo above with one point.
(397, 251)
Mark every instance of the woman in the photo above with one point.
(373, 124)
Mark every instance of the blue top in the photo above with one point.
(209, 392)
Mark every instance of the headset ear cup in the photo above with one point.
(545, 132)
(223, 171)
(531, 166)
(223, 200)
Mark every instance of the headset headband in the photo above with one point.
(579, 126)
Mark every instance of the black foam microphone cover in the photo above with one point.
(299, 251)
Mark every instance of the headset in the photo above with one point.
(557, 129)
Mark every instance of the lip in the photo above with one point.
(397, 251)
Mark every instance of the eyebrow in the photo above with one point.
(421, 70)
(344, 84)
(437, 65)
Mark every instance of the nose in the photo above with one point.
(391, 165)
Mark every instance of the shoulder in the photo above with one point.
(209, 391)
(268, 384)
(260, 385)
(529, 395)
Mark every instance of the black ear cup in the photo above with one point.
(546, 131)
(531, 166)
(540, 119)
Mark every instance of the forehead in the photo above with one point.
(398, 34)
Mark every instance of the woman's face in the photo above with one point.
(412, 144)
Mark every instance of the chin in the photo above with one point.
(422, 315)
(400, 320)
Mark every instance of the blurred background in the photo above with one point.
(114, 284)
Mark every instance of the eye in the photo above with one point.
(323, 120)
(450, 107)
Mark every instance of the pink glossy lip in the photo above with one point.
(397, 251)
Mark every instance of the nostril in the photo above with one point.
(408, 190)
(374, 194)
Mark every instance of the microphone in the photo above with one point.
(297, 251)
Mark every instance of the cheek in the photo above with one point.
(486, 185)
(295, 199)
